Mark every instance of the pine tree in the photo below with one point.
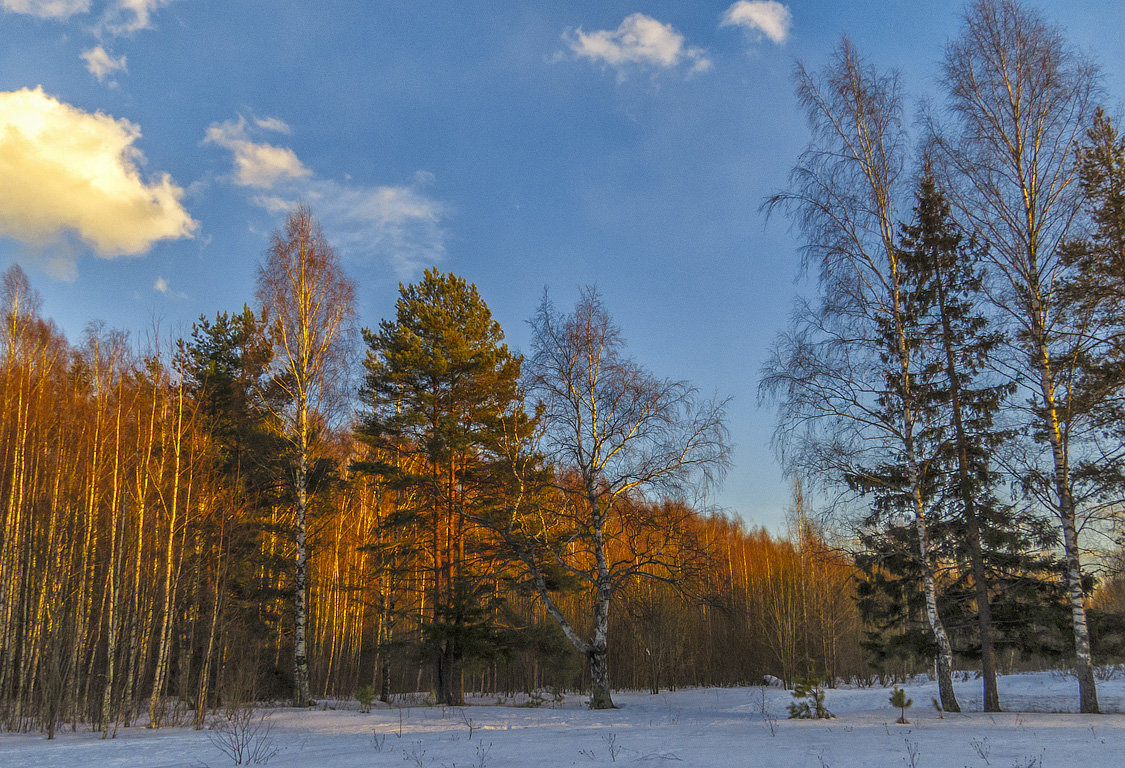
(899, 699)
(441, 389)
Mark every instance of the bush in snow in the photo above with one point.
(242, 735)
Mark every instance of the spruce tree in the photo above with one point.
(995, 549)
(942, 268)
(1095, 292)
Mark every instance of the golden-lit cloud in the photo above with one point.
(67, 173)
(639, 40)
(101, 64)
(257, 164)
(46, 9)
(763, 17)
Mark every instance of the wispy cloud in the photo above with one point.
(118, 17)
(399, 225)
(162, 286)
(639, 41)
(273, 125)
(70, 172)
(257, 164)
(760, 17)
(101, 64)
(47, 9)
(124, 17)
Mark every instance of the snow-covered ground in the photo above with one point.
(697, 727)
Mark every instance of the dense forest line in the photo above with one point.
(285, 507)
(150, 540)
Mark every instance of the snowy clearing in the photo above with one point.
(696, 727)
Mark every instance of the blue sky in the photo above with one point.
(149, 147)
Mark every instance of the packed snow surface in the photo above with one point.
(696, 727)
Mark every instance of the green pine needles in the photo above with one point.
(898, 699)
(808, 703)
(365, 695)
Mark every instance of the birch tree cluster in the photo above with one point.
(954, 384)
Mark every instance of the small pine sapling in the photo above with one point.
(808, 695)
(365, 695)
(898, 699)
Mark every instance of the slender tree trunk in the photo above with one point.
(138, 624)
(116, 558)
(944, 661)
(203, 689)
(969, 509)
(156, 700)
(1084, 665)
(302, 696)
(83, 597)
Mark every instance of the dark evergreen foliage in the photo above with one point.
(444, 400)
(975, 537)
(225, 364)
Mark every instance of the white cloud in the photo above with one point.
(101, 64)
(274, 124)
(765, 17)
(257, 164)
(162, 287)
(639, 40)
(69, 172)
(398, 224)
(123, 17)
(46, 9)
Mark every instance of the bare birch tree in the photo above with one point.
(849, 367)
(308, 304)
(1020, 98)
(622, 431)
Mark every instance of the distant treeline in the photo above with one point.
(149, 552)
